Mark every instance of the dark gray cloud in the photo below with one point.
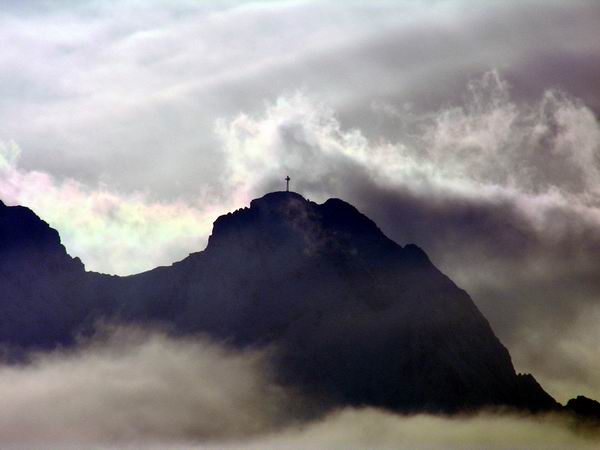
(537, 287)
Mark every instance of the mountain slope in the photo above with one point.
(354, 318)
(36, 276)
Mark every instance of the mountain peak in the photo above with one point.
(277, 198)
(353, 317)
(26, 237)
(286, 218)
(584, 407)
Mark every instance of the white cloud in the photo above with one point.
(131, 385)
(544, 151)
(134, 388)
(370, 428)
(111, 232)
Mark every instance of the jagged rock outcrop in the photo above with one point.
(584, 407)
(37, 302)
(354, 317)
(531, 396)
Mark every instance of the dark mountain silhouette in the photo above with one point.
(584, 407)
(38, 305)
(354, 317)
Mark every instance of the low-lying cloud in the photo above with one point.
(135, 388)
(131, 385)
(375, 429)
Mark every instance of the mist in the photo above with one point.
(130, 385)
(140, 388)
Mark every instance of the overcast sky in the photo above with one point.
(469, 128)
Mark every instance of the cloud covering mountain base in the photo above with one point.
(135, 388)
(127, 384)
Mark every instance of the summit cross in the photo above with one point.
(287, 184)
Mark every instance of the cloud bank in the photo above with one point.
(135, 388)
(129, 385)
(369, 428)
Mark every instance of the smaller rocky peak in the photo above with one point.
(415, 256)
(342, 215)
(530, 395)
(24, 236)
(20, 226)
(584, 407)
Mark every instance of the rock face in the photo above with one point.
(354, 317)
